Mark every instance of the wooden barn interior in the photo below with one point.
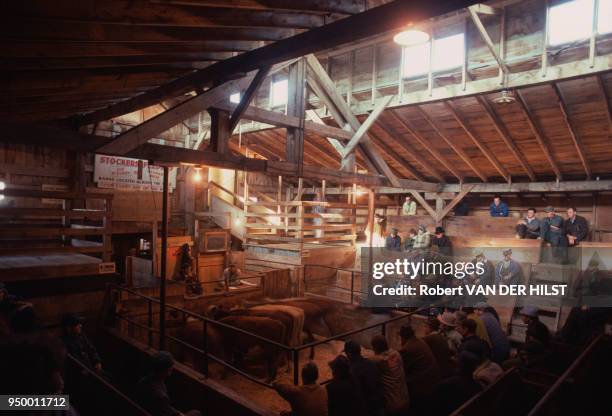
(174, 174)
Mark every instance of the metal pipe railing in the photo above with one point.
(294, 351)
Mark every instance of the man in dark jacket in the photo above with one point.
(344, 396)
(439, 347)
(368, 377)
(529, 226)
(536, 329)
(461, 387)
(498, 208)
(442, 242)
(576, 227)
(552, 230)
(420, 368)
(393, 241)
(152, 391)
(472, 342)
(77, 344)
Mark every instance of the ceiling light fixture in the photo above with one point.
(505, 97)
(410, 37)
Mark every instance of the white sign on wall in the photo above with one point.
(123, 173)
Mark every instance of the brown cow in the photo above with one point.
(231, 346)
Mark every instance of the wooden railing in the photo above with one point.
(25, 229)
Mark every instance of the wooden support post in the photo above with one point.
(164, 261)
(108, 230)
(219, 130)
(296, 107)
(371, 209)
(424, 204)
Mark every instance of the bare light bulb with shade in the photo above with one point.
(197, 176)
(410, 37)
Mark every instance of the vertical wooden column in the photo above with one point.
(296, 106)
(219, 130)
(108, 230)
(164, 261)
(371, 208)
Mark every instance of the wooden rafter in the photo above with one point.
(606, 100)
(247, 97)
(334, 142)
(458, 198)
(389, 135)
(462, 154)
(130, 140)
(538, 133)
(325, 82)
(365, 126)
(393, 155)
(306, 6)
(424, 204)
(390, 16)
(426, 145)
(572, 130)
(505, 135)
(483, 148)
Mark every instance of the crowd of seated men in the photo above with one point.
(462, 352)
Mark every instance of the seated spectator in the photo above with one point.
(486, 277)
(528, 226)
(420, 369)
(552, 230)
(78, 345)
(309, 399)
(409, 207)
(18, 314)
(472, 342)
(152, 391)
(394, 383)
(409, 241)
(231, 275)
(439, 347)
(458, 389)
(422, 239)
(442, 242)
(500, 346)
(593, 281)
(448, 322)
(576, 227)
(508, 271)
(498, 208)
(368, 377)
(344, 397)
(536, 330)
(481, 329)
(393, 241)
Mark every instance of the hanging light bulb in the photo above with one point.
(505, 97)
(197, 176)
(410, 37)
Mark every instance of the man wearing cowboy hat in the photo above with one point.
(442, 242)
(508, 271)
(448, 322)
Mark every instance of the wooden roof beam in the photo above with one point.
(538, 133)
(136, 136)
(306, 6)
(393, 155)
(505, 135)
(428, 146)
(390, 16)
(365, 126)
(572, 130)
(483, 148)
(606, 100)
(411, 151)
(329, 88)
(536, 187)
(462, 154)
(143, 12)
(247, 97)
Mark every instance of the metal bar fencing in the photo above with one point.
(293, 352)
